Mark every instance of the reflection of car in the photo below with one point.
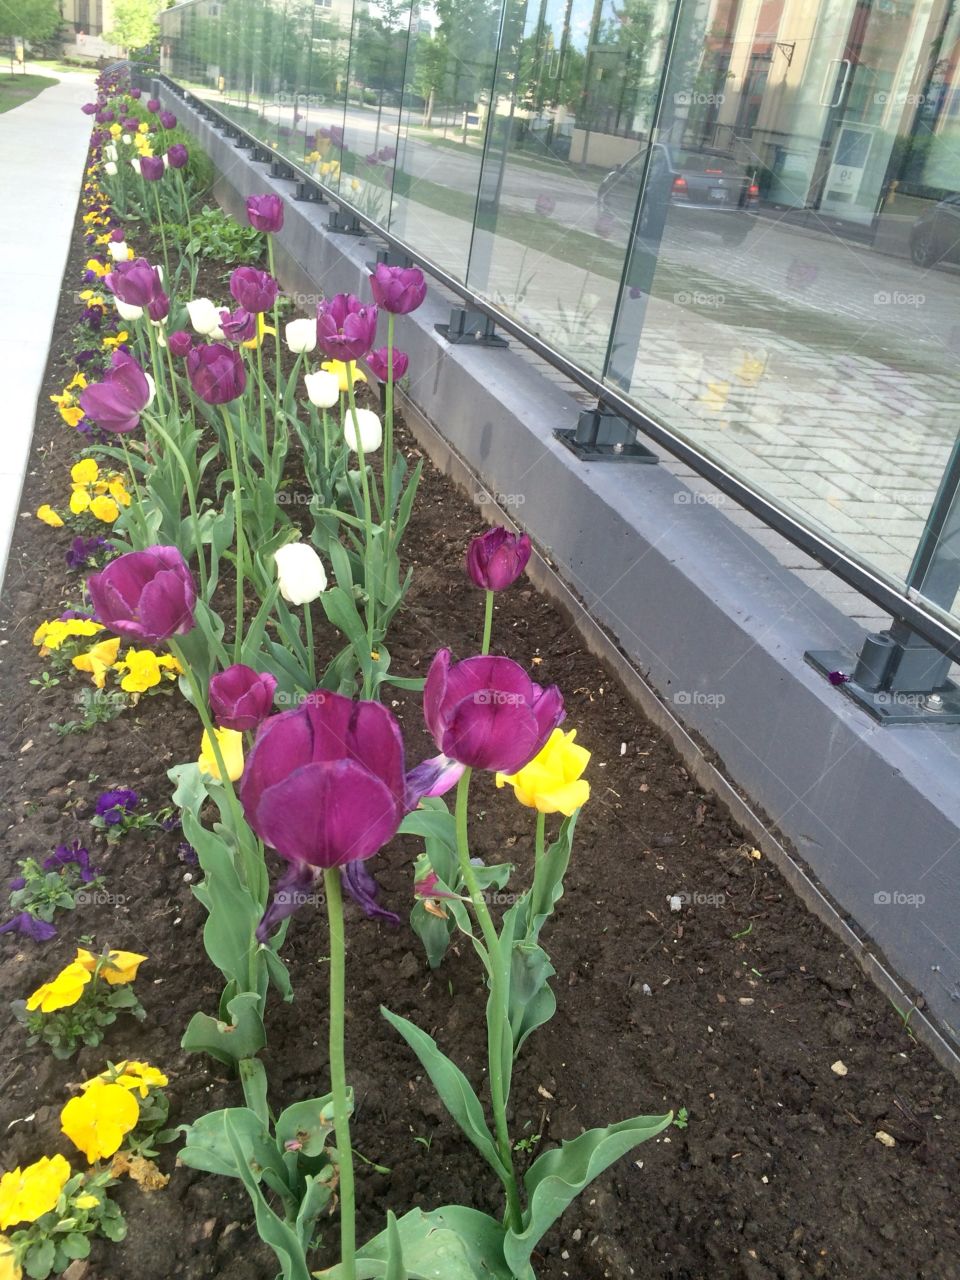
(935, 236)
(708, 188)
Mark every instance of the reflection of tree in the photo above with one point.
(619, 75)
(430, 71)
(469, 30)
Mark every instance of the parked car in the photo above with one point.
(935, 236)
(703, 187)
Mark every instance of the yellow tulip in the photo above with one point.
(230, 742)
(551, 782)
(339, 367)
(98, 1120)
(47, 514)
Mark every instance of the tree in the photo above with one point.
(135, 23)
(30, 19)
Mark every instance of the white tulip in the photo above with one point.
(110, 151)
(371, 432)
(127, 140)
(205, 317)
(301, 336)
(323, 389)
(150, 382)
(301, 573)
(118, 250)
(128, 311)
(135, 165)
(110, 169)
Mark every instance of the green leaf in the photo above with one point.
(452, 1243)
(452, 1085)
(308, 1123)
(40, 1259)
(243, 1037)
(208, 1146)
(531, 1002)
(279, 1235)
(557, 1177)
(75, 1245)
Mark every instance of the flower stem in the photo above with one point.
(191, 502)
(308, 638)
(388, 437)
(497, 1017)
(368, 585)
(533, 901)
(338, 1074)
(238, 520)
(263, 408)
(163, 235)
(276, 336)
(487, 623)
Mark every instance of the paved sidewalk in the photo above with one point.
(43, 145)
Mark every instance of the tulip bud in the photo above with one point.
(127, 311)
(323, 389)
(110, 169)
(301, 336)
(180, 343)
(369, 427)
(301, 573)
(497, 558)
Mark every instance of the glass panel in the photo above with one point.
(446, 103)
(788, 304)
(321, 117)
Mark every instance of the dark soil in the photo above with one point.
(734, 1009)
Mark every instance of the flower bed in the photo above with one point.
(687, 978)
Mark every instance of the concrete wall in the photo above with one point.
(711, 620)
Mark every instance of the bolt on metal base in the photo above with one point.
(473, 327)
(603, 436)
(345, 223)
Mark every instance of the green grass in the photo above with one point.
(17, 89)
(71, 68)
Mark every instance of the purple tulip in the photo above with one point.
(137, 283)
(216, 372)
(135, 94)
(177, 156)
(346, 329)
(379, 365)
(265, 213)
(159, 308)
(29, 926)
(238, 326)
(118, 235)
(105, 117)
(89, 108)
(497, 558)
(153, 104)
(168, 119)
(255, 290)
(324, 783)
(180, 343)
(131, 123)
(398, 289)
(145, 595)
(115, 404)
(240, 698)
(486, 712)
(151, 168)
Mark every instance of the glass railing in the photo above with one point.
(743, 217)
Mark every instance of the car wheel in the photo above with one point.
(923, 252)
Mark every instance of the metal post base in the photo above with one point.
(603, 436)
(390, 258)
(345, 224)
(470, 326)
(897, 678)
(280, 170)
(308, 193)
(243, 143)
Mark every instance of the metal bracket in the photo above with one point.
(308, 192)
(280, 169)
(243, 143)
(345, 223)
(470, 326)
(898, 678)
(390, 258)
(603, 436)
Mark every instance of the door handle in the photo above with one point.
(833, 97)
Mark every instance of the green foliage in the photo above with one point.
(44, 893)
(83, 1023)
(213, 234)
(99, 706)
(30, 19)
(135, 23)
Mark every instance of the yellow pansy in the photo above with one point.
(139, 1077)
(98, 268)
(98, 1120)
(51, 635)
(70, 410)
(339, 367)
(119, 967)
(116, 129)
(47, 514)
(116, 340)
(142, 127)
(98, 660)
(84, 1201)
(551, 782)
(104, 509)
(92, 300)
(62, 992)
(79, 500)
(230, 742)
(27, 1194)
(143, 670)
(86, 471)
(118, 490)
(10, 1268)
(170, 664)
(78, 380)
